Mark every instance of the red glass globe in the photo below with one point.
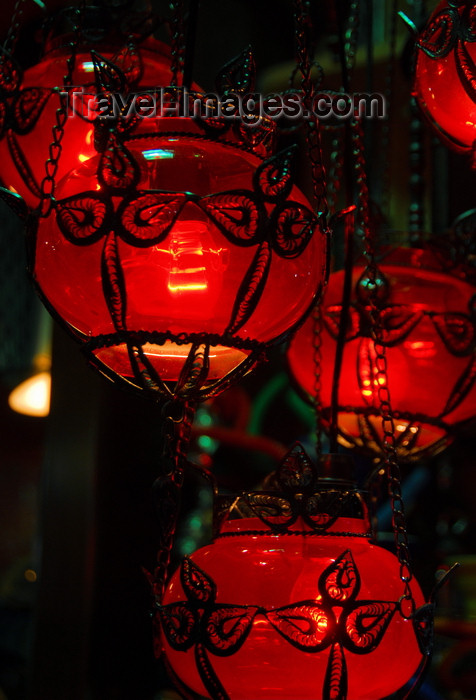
(444, 74)
(201, 246)
(267, 615)
(428, 330)
(28, 111)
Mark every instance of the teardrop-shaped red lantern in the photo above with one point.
(295, 603)
(429, 334)
(445, 72)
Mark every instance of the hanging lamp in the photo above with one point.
(444, 83)
(293, 598)
(179, 250)
(429, 334)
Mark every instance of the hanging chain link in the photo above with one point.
(303, 31)
(178, 40)
(389, 83)
(177, 420)
(55, 148)
(12, 36)
(390, 458)
(317, 388)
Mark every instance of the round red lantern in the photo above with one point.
(29, 103)
(445, 72)
(172, 240)
(429, 337)
(295, 603)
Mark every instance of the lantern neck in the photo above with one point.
(254, 527)
(299, 498)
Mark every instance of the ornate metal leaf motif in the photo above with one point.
(113, 282)
(365, 625)
(273, 178)
(10, 75)
(305, 625)
(340, 582)
(238, 75)
(22, 165)
(317, 508)
(194, 371)
(251, 288)
(423, 624)
(117, 167)
(28, 107)
(397, 322)
(259, 137)
(146, 219)
(83, 218)
(464, 384)
(466, 69)
(296, 471)
(197, 585)
(438, 38)
(291, 227)
(274, 511)
(335, 683)
(109, 77)
(227, 628)
(331, 319)
(179, 625)
(207, 674)
(456, 331)
(237, 216)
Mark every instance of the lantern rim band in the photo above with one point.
(302, 533)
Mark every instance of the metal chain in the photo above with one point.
(317, 343)
(55, 148)
(350, 39)
(352, 36)
(388, 91)
(11, 38)
(304, 65)
(178, 40)
(390, 458)
(313, 133)
(176, 426)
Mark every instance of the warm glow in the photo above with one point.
(186, 287)
(32, 397)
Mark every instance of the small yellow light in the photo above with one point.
(30, 575)
(32, 397)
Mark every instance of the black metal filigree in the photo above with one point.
(220, 629)
(308, 625)
(263, 217)
(450, 30)
(298, 492)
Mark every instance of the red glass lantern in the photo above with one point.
(29, 103)
(429, 334)
(295, 603)
(172, 239)
(445, 68)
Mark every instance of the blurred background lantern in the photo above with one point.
(293, 593)
(444, 84)
(428, 331)
(29, 103)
